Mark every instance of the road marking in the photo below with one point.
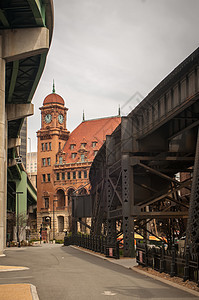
(108, 293)
(2, 278)
(12, 268)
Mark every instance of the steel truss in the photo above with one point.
(135, 176)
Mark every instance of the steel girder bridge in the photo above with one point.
(26, 28)
(145, 178)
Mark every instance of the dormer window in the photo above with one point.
(94, 144)
(60, 160)
(82, 158)
(83, 145)
(72, 146)
(73, 155)
(95, 152)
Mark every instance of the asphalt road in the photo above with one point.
(64, 273)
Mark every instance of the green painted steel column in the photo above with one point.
(21, 202)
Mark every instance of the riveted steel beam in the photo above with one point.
(4, 19)
(15, 70)
(192, 238)
(38, 10)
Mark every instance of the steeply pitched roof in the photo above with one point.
(87, 133)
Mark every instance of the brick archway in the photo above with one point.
(60, 198)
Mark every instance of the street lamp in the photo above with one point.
(17, 216)
(54, 220)
(30, 157)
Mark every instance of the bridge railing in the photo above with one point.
(94, 243)
(182, 265)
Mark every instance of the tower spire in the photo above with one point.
(53, 87)
(83, 116)
(119, 112)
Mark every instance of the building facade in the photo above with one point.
(31, 167)
(63, 162)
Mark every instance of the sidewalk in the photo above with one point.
(17, 291)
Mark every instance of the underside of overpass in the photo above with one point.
(26, 28)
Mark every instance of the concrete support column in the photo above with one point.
(3, 171)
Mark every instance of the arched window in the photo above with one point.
(70, 192)
(60, 198)
(60, 220)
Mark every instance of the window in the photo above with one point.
(57, 176)
(50, 146)
(46, 200)
(48, 177)
(85, 174)
(43, 161)
(74, 175)
(82, 158)
(63, 176)
(60, 160)
(79, 174)
(48, 159)
(44, 177)
(73, 155)
(94, 144)
(83, 145)
(95, 152)
(68, 175)
(42, 146)
(72, 146)
(46, 146)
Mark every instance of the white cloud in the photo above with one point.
(104, 51)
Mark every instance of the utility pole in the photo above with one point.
(54, 220)
(30, 157)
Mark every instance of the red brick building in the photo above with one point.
(63, 162)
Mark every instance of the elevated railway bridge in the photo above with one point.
(145, 177)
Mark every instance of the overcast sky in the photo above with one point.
(105, 51)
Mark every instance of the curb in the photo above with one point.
(195, 293)
(34, 292)
(95, 254)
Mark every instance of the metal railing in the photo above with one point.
(94, 243)
(183, 265)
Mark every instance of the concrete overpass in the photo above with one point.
(26, 28)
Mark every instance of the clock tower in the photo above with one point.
(52, 137)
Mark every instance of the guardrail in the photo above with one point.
(94, 243)
(182, 265)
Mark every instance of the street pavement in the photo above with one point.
(56, 272)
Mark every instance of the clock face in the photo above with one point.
(60, 119)
(48, 118)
